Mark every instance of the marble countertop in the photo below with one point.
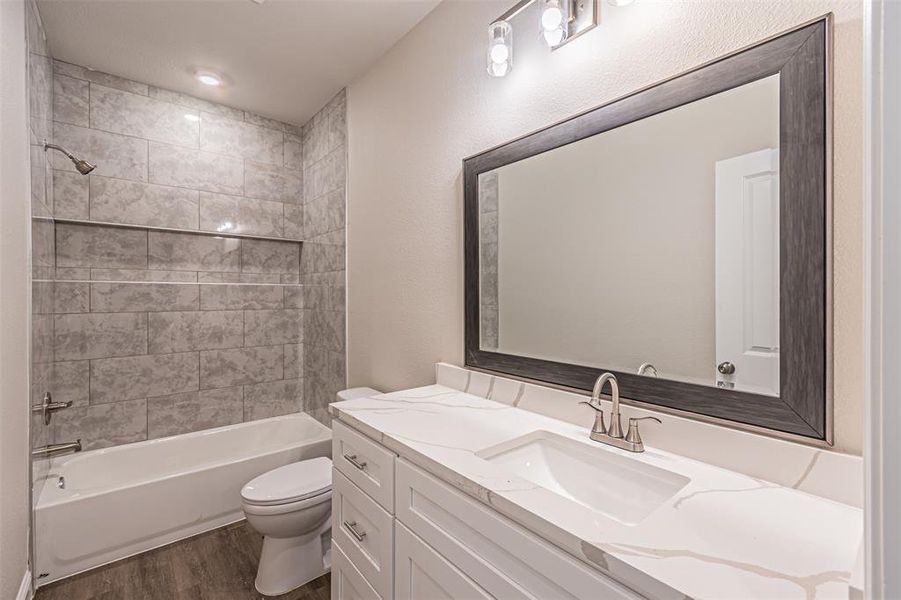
(724, 535)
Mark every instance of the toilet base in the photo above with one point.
(288, 563)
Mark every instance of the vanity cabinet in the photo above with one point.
(421, 539)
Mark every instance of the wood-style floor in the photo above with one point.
(218, 565)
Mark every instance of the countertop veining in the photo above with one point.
(724, 535)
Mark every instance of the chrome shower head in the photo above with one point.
(82, 166)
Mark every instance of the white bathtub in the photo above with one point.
(128, 499)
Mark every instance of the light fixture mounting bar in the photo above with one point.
(515, 10)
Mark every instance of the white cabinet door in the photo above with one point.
(420, 573)
(347, 582)
(747, 272)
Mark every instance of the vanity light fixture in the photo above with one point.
(208, 78)
(560, 21)
(500, 48)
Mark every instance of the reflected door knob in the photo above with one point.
(726, 368)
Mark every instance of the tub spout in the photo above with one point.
(54, 449)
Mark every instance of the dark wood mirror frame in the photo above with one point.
(802, 58)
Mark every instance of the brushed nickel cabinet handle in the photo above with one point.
(352, 459)
(352, 528)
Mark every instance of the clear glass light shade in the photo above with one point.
(500, 49)
(554, 21)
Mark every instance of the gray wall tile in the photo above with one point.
(238, 277)
(261, 121)
(293, 152)
(140, 116)
(71, 297)
(120, 201)
(118, 379)
(293, 361)
(142, 275)
(43, 342)
(272, 182)
(185, 331)
(225, 368)
(144, 297)
(294, 221)
(241, 297)
(262, 327)
(195, 169)
(66, 381)
(64, 68)
(70, 100)
(265, 256)
(234, 214)
(189, 252)
(95, 335)
(242, 140)
(70, 195)
(115, 155)
(294, 296)
(193, 411)
(104, 425)
(265, 400)
(105, 247)
(195, 103)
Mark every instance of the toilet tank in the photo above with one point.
(358, 392)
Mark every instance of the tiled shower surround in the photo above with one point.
(160, 332)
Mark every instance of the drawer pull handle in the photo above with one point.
(352, 528)
(352, 459)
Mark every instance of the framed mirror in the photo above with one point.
(679, 237)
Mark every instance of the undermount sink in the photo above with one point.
(619, 487)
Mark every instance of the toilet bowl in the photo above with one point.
(290, 506)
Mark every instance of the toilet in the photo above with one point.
(291, 506)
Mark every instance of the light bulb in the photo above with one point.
(499, 53)
(552, 18)
(554, 37)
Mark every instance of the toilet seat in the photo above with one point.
(287, 507)
(291, 484)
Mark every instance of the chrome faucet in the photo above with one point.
(647, 367)
(54, 449)
(613, 435)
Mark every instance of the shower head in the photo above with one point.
(82, 166)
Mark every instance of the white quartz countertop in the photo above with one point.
(724, 535)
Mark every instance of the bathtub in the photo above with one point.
(120, 501)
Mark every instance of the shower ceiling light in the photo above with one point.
(192, 118)
(208, 78)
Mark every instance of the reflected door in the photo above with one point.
(747, 272)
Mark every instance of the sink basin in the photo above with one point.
(619, 487)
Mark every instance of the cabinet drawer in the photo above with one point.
(423, 574)
(347, 582)
(501, 556)
(364, 532)
(364, 462)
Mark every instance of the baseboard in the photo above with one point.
(25, 588)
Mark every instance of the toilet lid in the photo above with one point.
(290, 483)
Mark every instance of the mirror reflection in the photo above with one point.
(651, 248)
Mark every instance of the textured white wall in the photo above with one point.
(14, 228)
(428, 103)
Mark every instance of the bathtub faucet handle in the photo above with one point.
(48, 406)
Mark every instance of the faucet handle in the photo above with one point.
(633, 435)
(599, 428)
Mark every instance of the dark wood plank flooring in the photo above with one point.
(217, 565)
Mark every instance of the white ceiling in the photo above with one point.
(283, 58)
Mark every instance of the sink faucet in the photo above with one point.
(613, 435)
(54, 449)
